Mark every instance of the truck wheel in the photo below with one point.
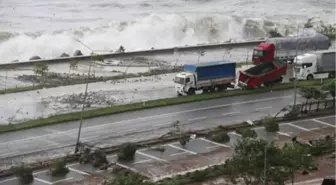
(191, 91)
(310, 77)
(331, 75)
(179, 94)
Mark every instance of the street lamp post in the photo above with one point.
(83, 107)
(295, 75)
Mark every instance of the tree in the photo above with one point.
(24, 174)
(247, 163)
(59, 168)
(270, 124)
(307, 93)
(296, 157)
(127, 152)
(319, 96)
(73, 65)
(331, 88)
(41, 69)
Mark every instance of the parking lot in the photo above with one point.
(197, 154)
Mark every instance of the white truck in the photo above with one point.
(315, 65)
(209, 76)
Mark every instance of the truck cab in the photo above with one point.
(263, 52)
(184, 82)
(304, 66)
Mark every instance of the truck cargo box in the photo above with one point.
(325, 61)
(212, 70)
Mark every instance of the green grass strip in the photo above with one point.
(146, 105)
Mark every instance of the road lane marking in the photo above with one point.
(198, 118)
(150, 156)
(324, 123)
(180, 153)
(78, 171)
(284, 134)
(143, 161)
(179, 148)
(211, 147)
(215, 143)
(69, 178)
(43, 181)
(144, 118)
(302, 128)
(263, 108)
(230, 113)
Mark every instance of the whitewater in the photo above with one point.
(49, 28)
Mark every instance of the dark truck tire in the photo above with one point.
(191, 91)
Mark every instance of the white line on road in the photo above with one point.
(179, 148)
(180, 153)
(263, 108)
(143, 161)
(235, 133)
(148, 117)
(302, 128)
(150, 156)
(324, 123)
(78, 171)
(198, 118)
(7, 180)
(55, 182)
(230, 113)
(215, 143)
(43, 181)
(284, 134)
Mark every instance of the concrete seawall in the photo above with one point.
(136, 53)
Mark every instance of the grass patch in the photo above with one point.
(146, 105)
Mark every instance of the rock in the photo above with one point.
(35, 58)
(65, 55)
(78, 53)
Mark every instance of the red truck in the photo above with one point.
(266, 73)
(286, 48)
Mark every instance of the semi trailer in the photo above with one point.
(286, 48)
(315, 65)
(209, 76)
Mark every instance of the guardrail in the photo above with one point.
(136, 53)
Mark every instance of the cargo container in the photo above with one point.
(286, 48)
(209, 76)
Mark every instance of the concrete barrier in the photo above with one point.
(136, 53)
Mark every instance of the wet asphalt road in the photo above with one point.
(203, 114)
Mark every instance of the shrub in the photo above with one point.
(293, 111)
(24, 174)
(221, 137)
(249, 133)
(99, 159)
(59, 168)
(127, 152)
(270, 124)
(184, 140)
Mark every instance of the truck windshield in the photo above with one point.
(179, 80)
(258, 53)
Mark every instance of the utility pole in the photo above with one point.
(295, 75)
(84, 99)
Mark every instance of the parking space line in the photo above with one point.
(198, 118)
(324, 123)
(211, 147)
(43, 181)
(179, 148)
(129, 168)
(230, 113)
(298, 127)
(78, 171)
(55, 182)
(3, 181)
(143, 161)
(180, 153)
(263, 108)
(235, 133)
(150, 156)
(284, 134)
(215, 143)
